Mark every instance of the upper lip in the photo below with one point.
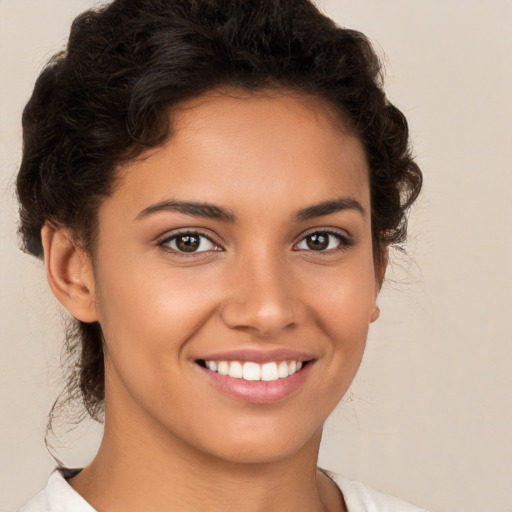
(258, 355)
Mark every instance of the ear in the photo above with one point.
(381, 264)
(69, 273)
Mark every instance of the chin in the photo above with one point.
(263, 446)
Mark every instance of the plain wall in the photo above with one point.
(429, 417)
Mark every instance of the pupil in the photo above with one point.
(187, 243)
(318, 241)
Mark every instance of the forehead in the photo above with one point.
(266, 146)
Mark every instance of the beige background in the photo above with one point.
(429, 417)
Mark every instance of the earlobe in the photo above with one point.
(375, 313)
(69, 273)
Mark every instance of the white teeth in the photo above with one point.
(269, 371)
(253, 371)
(223, 367)
(282, 370)
(235, 370)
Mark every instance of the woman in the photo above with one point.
(213, 187)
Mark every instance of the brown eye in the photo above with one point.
(318, 241)
(190, 243)
(187, 243)
(323, 241)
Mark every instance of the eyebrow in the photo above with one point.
(211, 211)
(328, 207)
(195, 209)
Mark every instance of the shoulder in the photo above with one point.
(57, 496)
(362, 498)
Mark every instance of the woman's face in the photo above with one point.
(241, 246)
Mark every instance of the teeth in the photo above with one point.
(269, 371)
(223, 367)
(282, 370)
(235, 370)
(254, 371)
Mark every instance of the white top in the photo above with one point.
(59, 496)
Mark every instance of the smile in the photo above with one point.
(274, 377)
(252, 371)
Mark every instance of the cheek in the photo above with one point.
(148, 321)
(345, 298)
(151, 312)
(344, 309)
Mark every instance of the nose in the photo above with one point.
(263, 298)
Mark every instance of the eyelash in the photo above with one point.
(344, 242)
(165, 243)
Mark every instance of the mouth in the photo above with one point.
(256, 382)
(252, 371)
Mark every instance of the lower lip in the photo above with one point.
(258, 391)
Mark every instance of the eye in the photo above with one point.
(323, 241)
(189, 242)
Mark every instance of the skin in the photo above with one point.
(173, 441)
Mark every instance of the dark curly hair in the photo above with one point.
(107, 98)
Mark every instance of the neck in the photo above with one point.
(126, 476)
